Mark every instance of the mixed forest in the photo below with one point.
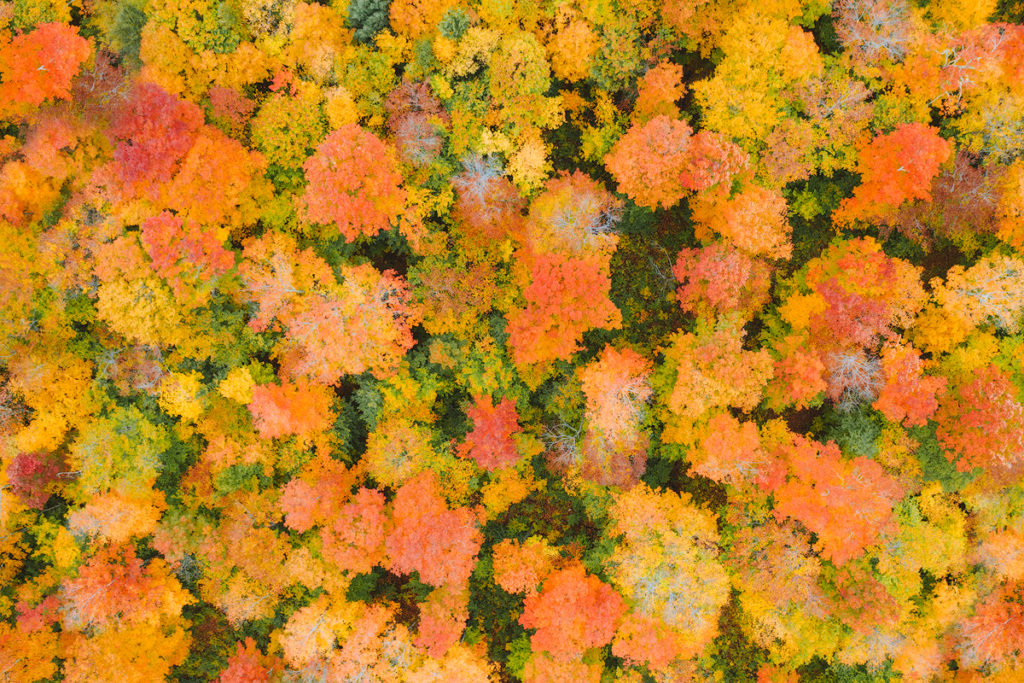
(478, 341)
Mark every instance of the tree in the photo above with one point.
(847, 503)
(247, 665)
(996, 629)
(713, 160)
(666, 565)
(311, 633)
(115, 585)
(353, 537)
(32, 476)
(487, 203)
(299, 409)
(712, 370)
(120, 452)
(40, 65)
(990, 291)
(574, 215)
(564, 298)
(853, 377)
(58, 388)
(964, 204)
(617, 390)
(153, 130)
(731, 452)
(573, 612)
(427, 537)
(443, 617)
(860, 295)
(314, 496)
(521, 567)
(184, 254)
(118, 517)
(353, 183)
(219, 182)
(572, 43)
(746, 104)
(648, 161)
(778, 576)
(147, 651)
(798, 376)
(753, 220)
(658, 91)
(416, 117)
(27, 655)
(331, 328)
(365, 325)
(908, 395)
(981, 424)
(894, 168)
(490, 443)
(720, 279)
(874, 31)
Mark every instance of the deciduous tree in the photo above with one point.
(353, 183)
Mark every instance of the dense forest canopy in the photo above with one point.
(555, 341)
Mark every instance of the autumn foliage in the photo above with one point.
(484, 341)
(353, 183)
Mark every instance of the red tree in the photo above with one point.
(981, 424)
(565, 298)
(428, 537)
(573, 612)
(354, 183)
(894, 168)
(40, 65)
(152, 132)
(847, 503)
(299, 409)
(719, 279)
(490, 442)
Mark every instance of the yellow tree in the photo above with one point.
(666, 564)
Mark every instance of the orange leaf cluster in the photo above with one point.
(490, 443)
(297, 408)
(427, 537)
(847, 503)
(573, 612)
(354, 183)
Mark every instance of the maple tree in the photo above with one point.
(31, 476)
(153, 130)
(290, 409)
(719, 279)
(711, 370)
(617, 390)
(667, 568)
(430, 538)
(647, 162)
(539, 332)
(895, 168)
(490, 443)
(487, 202)
(981, 424)
(353, 183)
(907, 394)
(987, 291)
(328, 334)
(573, 611)
(40, 64)
(754, 220)
(995, 629)
(847, 503)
